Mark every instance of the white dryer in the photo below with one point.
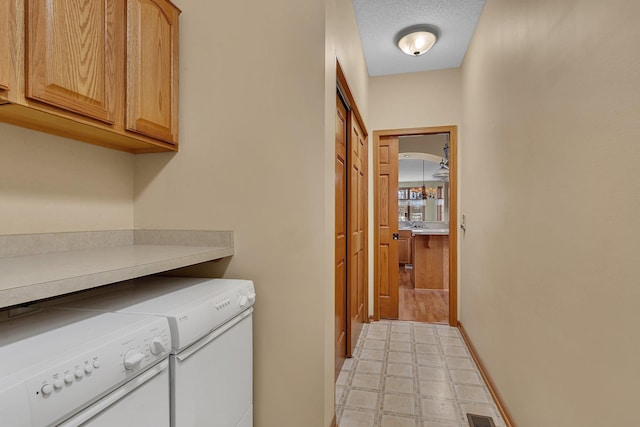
(211, 361)
(70, 368)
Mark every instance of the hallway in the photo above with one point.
(406, 374)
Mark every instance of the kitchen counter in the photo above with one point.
(427, 231)
(431, 259)
(430, 232)
(38, 266)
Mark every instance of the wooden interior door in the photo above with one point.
(356, 215)
(386, 255)
(341, 236)
(152, 69)
(75, 55)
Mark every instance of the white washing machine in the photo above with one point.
(70, 368)
(211, 361)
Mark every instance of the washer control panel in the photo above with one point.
(235, 299)
(83, 377)
(234, 302)
(222, 303)
(197, 320)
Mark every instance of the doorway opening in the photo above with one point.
(423, 228)
(415, 224)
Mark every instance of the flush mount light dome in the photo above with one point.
(416, 43)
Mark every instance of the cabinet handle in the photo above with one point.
(396, 236)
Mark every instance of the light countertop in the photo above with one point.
(78, 261)
(428, 231)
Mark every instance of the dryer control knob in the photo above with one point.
(57, 384)
(132, 359)
(243, 300)
(68, 378)
(252, 297)
(79, 373)
(46, 389)
(157, 346)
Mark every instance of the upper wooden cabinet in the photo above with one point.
(75, 57)
(100, 71)
(152, 69)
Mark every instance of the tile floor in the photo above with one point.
(407, 374)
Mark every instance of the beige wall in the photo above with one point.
(257, 157)
(551, 125)
(52, 184)
(432, 98)
(348, 51)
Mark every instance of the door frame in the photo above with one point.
(453, 211)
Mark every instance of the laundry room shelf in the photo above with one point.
(38, 266)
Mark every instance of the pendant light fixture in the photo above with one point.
(443, 173)
(426, 193)
(424, 187)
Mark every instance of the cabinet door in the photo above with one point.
(152, 69)
(404, 247)
(74, 48)
(403, 250)
(7, 43)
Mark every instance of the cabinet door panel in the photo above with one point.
(152, 69)
(73, 55)
(7, 44)
(403, 250)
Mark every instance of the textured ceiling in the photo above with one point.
(380, 22)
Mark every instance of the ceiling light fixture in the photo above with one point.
(443, 173)
(416, 43)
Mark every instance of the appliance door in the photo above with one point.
(143, 401)
(212, 381)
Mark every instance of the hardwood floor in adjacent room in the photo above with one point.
(422, 305)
